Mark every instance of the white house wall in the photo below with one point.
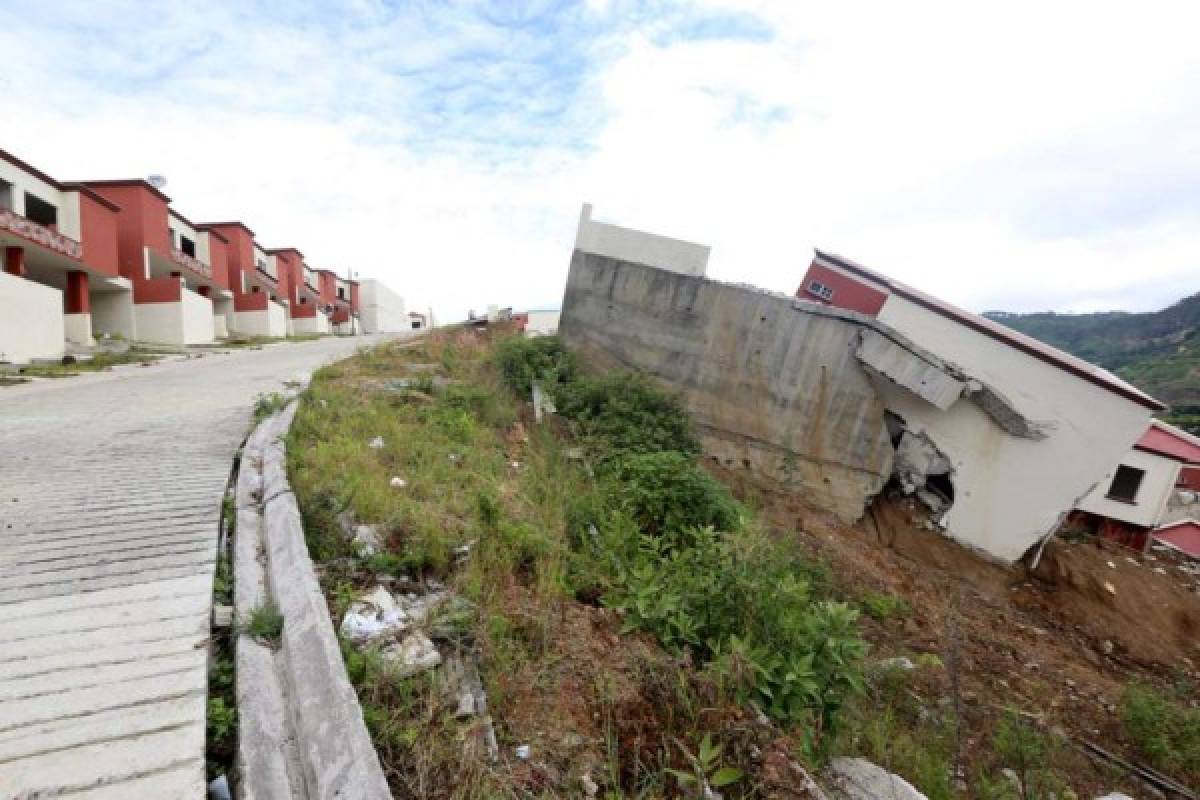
(31, 325)
(112, 313)
(381, 309)
(542, 323)
(1011, 491)
(1150, 502)
(197, 317)
(638, 247)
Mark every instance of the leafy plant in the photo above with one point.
(624, 413)
(706, 771)
(667, 493)
(883, 606)
(267, 404)
(523, 362)
(222, 722)
(265, 623)
(1165, 731)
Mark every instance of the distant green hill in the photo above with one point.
(1159, 351)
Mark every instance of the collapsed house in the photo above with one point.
(857, 381)
(1150, 493)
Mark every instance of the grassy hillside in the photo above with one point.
(1157, 351)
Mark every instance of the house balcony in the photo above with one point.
(197, 266)
(31, 232)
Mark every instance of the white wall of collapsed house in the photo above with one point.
(1010, 488)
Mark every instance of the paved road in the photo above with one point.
(110, 490)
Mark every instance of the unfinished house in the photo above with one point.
(857, 382)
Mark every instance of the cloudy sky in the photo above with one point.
(1022, 156)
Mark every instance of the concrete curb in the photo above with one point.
(301, 731)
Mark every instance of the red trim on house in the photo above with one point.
(1167, 440)
(158, 290)
(1189, 477)
(98, 221)
(127, 182)
(1183, 535)
(994, 330)
(14, 261)
(75, 298)
(846, 292)
(250, 301)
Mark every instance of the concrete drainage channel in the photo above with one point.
(300, 727)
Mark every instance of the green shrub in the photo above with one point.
(627, 414)
(1027, 751)
(1163, 730)
(739, 601)
(266, 622)
(883, 606)
(542, 359)
(667, 493)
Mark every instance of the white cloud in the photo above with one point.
(1027, 156)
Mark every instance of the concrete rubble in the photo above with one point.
(413, 654)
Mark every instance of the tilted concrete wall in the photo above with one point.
(31, 323)
(772, 388)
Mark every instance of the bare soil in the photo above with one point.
(1057, 643)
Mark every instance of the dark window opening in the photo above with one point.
(416, 324)
(820, 290)
(341, 293)
(39, 211)
(6, 196)
(303, 301)
(1125, 484)
(187, 246)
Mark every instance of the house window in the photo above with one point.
(1125, 484)
(187, 246)
(416, 323)
(341, 293)
(39, 211)
(5, 196)
(262, 265)
(820, 290)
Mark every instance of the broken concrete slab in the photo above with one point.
(904, 364)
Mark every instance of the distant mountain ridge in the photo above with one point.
(1157, 351)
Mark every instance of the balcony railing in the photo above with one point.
(194, 264)
(39, 234)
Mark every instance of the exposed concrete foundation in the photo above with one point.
(771, 388)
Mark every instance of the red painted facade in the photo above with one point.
(1189, 477)
(1171, 443)
(98, 222)
(1183, 535)
(141, 223)
(75, 298)
(847, 292)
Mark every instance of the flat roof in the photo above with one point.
(62, 186)
(140, 182)
(1001, 333)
